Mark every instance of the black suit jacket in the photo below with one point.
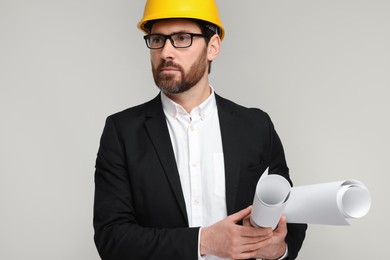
(139, 208)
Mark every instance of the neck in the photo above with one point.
(192, 97)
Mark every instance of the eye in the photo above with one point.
(156, 39)
(183, 37)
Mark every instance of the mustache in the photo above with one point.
(168, 63)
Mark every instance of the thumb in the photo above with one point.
(282, 225)
(241, 214)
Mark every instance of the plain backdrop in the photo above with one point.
(321, 69)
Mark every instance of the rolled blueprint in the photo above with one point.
(272, 193)
(328, 203)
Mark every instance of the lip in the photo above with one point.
(169, 70)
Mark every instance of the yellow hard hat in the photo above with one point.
(205, 10)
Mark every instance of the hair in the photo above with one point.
(208, 29)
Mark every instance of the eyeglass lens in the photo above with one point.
(178, 40)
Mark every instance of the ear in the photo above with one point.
(213, 47)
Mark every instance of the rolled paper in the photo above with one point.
(271, 196)
(328, 203)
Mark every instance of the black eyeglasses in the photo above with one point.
(178, 40)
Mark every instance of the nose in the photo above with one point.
(168, 50)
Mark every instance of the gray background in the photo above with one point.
(319, 68)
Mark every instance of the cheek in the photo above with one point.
(154, 58)
(188, 61)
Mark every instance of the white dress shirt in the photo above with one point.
(197, 145)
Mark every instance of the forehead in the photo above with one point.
(169, 26)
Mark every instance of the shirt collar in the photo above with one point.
(173, 109)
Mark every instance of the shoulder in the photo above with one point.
(243, 113)
(135, 117)
(150, 107)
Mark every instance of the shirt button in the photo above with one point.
(192, 128)
(196, 202)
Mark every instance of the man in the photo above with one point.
(175, 177)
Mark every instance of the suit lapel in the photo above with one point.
(230, 143)
(158, 132)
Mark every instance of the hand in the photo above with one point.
(227, 239)
(277, 246)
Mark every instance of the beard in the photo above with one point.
(167, 82)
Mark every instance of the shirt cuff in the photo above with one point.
(203, 257)
(285, 254)
(199, 256)
(282, 257)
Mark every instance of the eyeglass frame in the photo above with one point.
(169, 36)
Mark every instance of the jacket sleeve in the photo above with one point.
(118, 234)
(296, 232)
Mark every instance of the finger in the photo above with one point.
(241, 214)
(256, 244)
(249, 231)
(251, 250)
(246, 222)
(257, 240)
(282, 225)
(283, 220)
